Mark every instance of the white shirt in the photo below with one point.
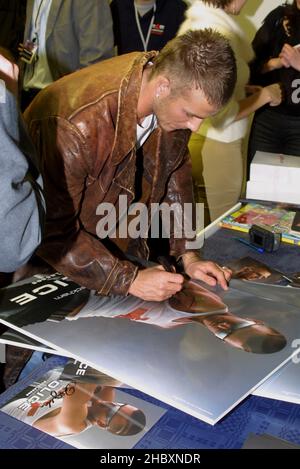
(145, 129)
(38, 74)
(132, 308)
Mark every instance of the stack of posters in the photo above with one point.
(190, 352)
(281, 217)
(12, 337)
(283, 385)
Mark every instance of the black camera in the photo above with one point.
(264, 237)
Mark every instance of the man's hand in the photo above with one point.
(155, 284)
(206, 271)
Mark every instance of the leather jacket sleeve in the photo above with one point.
(180, 191)
(69, 157)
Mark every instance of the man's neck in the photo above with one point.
(145, 101)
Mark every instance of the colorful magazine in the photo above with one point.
(84, 408)
(278, 216)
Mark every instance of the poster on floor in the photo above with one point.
(84, 408)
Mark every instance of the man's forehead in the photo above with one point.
(196, 99)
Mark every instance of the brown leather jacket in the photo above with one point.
(84, 127)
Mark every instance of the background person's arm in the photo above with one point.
(290, 56)
(20, 230)
(266, 58)
(236, 110)
(94, 30)
(271, 94)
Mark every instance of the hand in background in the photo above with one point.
(273, 94)
(9, 72)
(290, 56)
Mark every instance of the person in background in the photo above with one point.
(22, 203)
(22, 207)
(216, 149)
(62, 36)
(143, 25)
(12, 24)
(276, 130)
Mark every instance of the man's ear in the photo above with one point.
(163, 88)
